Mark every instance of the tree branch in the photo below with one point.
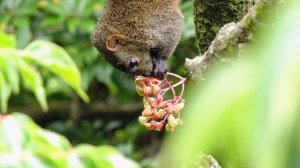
(66, 110)
(230, 39)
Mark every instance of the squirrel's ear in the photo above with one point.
(113, 41)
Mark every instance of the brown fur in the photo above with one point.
(128, 29)
(176, 3)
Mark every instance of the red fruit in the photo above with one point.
(155, 82)
(159, 99)
(162, 113)
(170, 108)
(148, 126)
(146, 103)
(147, 90)
(140, 80)
(155, 89)
(163, 104)
(178, 107)
(159, 126)
(143, 120)
(172, 121)
(157, 111)
(155, 115)
(139, 89)
(152, 101)
(170, 128)
(147, 113)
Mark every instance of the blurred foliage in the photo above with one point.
(247, 114)
(32, 147)
(99, 131)
(67, 23)
(70, 23)
(16, 64)
(128, 137)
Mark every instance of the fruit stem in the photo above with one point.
(182, 80)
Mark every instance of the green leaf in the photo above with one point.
(40, 148)
(58, 61)
(51, 141)
(41, 145)
(33, 81)
(27, 8)
(92, 157)
(27, 123)
(72, 24)
(24, 36)
(104, 74)
(91, 161)
(40, 136)
(55, 9)
(12, 135)
(7, 40)
(7, 160)
(87, 25)
(120, 161)
(21, 22)
(74, 160)
(5, 91)
(104, 156)
(52, 21)
(51, 158)
(107, 150)
(8, 66)
(32, 161)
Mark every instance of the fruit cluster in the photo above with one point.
(159, 112)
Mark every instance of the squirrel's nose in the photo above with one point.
(133, 63)
(159, 69)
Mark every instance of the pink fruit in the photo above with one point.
(158, 109)
(147, 90)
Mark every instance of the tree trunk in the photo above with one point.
(211, 15)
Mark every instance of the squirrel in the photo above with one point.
(138, 36)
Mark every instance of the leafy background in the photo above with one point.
(244, 115)
(110, 117)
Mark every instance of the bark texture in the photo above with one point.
(211, 15)
(231, 38)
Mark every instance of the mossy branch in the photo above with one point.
(230, 39)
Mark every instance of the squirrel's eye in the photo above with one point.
(154, 52)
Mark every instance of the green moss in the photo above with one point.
(211, 15)
(249, 23)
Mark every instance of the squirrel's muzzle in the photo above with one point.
(159, 69)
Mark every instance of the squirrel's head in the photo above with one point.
(132, 57)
